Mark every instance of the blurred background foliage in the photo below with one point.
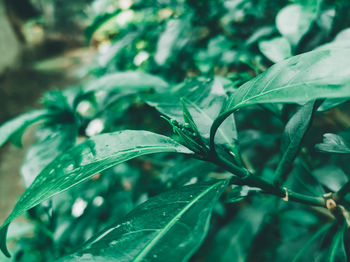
(83, 44)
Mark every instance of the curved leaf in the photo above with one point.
(203, 99)
(168, 227)
(19, 124)
(322, 73)
(126, 81)
(83, 161)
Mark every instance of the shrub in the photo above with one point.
(231, 148)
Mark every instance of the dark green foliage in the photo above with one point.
(244, 174)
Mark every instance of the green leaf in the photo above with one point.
(168, 227)
(51, 144)
(333, 143)
(126, 81)
(322, 73)
(276, 49)
(187, 171)
(331, 176)
(204, 99)
(316, 238)
(17, 125)
(337, 249)
(294, 21)
(232, 242)
(291, 139)
(173, 39)
(331, 103)
(83, 161)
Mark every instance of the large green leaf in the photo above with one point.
(322, 73)
(19, 124)
(83, 161)
(52, 142)
(168, 227)
(126, 81)
(203, 99)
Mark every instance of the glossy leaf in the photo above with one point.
(333, 143)
(291, 139)
(127, 81)
(83, 161)
(203, 99)
(276, 49)
(51, 144)
(19, 124)
(168, 227)
(322, 73)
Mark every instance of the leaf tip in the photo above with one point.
(3, 234)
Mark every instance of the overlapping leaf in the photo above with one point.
(203, 99)
(322, 73)
(168, 227)
(83, 161)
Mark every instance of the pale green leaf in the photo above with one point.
(276, 49)
(293, 21)
(333, 143)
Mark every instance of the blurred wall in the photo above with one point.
(10, 46)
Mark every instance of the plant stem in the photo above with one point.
(244, 177)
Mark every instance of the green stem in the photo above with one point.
(244, 177)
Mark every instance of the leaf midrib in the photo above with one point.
(41, 199)
(171, 223)
(268, 92)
